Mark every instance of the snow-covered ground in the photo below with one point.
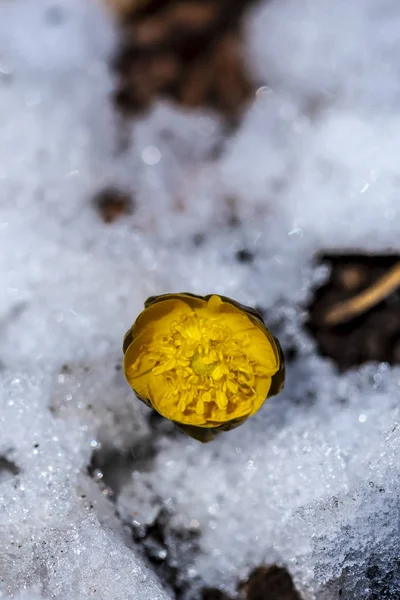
(311, 482)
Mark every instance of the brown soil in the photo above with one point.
(112, 203)
(264, 583)
(373, 335)
(189, 51)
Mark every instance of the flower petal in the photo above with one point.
(205, 363)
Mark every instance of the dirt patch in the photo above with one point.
(112, 203)
(371, 335)
(189, 51)
(269, 583)
(264, 583)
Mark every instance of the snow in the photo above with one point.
(312, 481)
(306, 483)
(57, 531)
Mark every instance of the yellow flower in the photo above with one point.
(206, 363)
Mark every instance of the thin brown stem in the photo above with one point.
(378, 291)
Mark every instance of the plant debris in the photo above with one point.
(112, 203)
(189, 51)
(355, 316)
(263, 583)
(368, 298)
(269, 583)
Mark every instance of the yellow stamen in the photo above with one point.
(201, 362)
(200, 407)
(206, 364)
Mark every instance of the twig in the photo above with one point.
(347, 310)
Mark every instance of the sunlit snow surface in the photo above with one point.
(313, 480)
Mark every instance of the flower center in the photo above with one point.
(203, 369)
(200, 367)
